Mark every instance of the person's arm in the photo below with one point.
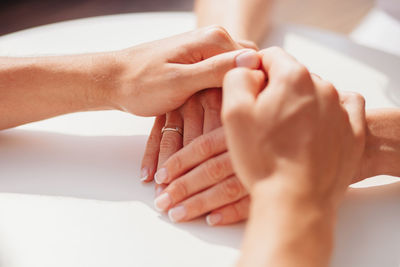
(244, 19)
(287, 230)
(295, 143)
(146, 80)
(33, 89)
(382, 153)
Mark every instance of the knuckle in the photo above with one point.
(204, 147)
(217, 33)
(330, 92)
(178, 190)
(357, 97)
(232, 189)
(212, 99)
(215, 169)
(168, 143)
(176, 163)
(299, 73)
(233, 113)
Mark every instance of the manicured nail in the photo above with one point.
(161, 176)
(162, 202)
(144, 174)
(159, 190)
(248, 59)
(177, 214)
(213, 219)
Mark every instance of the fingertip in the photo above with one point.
(214, 219)
(145, 176)
(248, 59)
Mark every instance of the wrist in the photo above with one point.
(382, 151)
(106, 81)
(287, 228)
(273, 193)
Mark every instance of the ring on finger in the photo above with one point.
(172, 129)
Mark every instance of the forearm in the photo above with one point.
(244, 19)
(382, 155)
(286, 230)
(33, 89)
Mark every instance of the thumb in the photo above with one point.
(210, 72)
(240, 90)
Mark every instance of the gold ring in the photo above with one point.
(172, 129)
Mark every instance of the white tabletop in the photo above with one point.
(70, 189)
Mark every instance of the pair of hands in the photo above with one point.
(157, 77)
(200, 177)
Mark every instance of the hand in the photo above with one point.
(201, 179)
(158, 77)
(296, 132)
(199, 115)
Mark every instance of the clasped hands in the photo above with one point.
(268, 124)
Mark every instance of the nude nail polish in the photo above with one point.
(213, 219)
(248, 59)
(161, 176)
(144, 174)
(177, 214)
(162, 202)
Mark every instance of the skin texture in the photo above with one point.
(301, 149)
(201, 165)
(146, 80)
(201, 113)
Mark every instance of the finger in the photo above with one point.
(240, 90)
(150, 158)
(198, 151)
(193, 116)
(354, 104)
(231, 213)
(228, 191)
(248, 44)
(210, 41)
(211, 100)
(281, 67)
(159, 188)
(210, 72)
(207, 174)
(287, 78)
(171, 141)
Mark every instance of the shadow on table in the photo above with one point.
(95, 167)
(88, 167)
(106, 168)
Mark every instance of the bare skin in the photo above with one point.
(146, 80)
(301, 149)
(201, 178)
(201, 114)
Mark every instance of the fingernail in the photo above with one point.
(177, 214)
(213, 219)
(144, 174)
(161, 176)
(162, 202)
(159, 189)
(248, 59)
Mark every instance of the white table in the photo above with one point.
(70, 189)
